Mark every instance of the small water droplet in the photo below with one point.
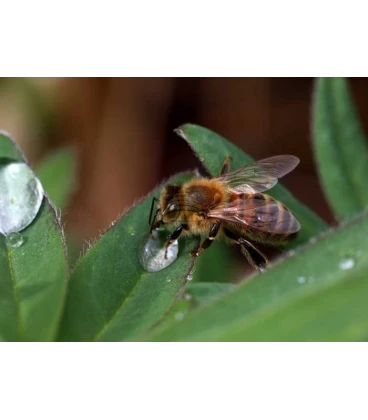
(179, 316)
(301, 279)
(168, 280)
(291, 253)
(187, 296)
(346, 263)
(132, 234)
(14, 240)
(189, 277)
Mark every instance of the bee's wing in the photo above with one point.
(260, 212)
(259, 176)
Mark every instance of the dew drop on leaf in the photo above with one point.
(152, 255)
(346, 263)
(301, 279)
(179, 316)
(189, 276)
(14, 240)
(21, 195)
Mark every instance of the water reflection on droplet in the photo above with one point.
(346, 263)
(152, 255)
(179, 316)
(301, 279)
(21, 195)
(189, 276)
(14, 240)
(168, 280)
(313, 240)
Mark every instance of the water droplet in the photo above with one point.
(179, 316)
(346, 263)
(14, 240)
(291, 253)
(132, 234)
(152, 255)
(189, 277)
(301, 279)
(187, 296)
(21, 195)
(168, 280)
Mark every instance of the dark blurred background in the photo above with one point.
(122, 130)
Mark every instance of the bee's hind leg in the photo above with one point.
(205, 244)
(253, 255)
(226, 165)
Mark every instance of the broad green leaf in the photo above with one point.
(340, 147)
(283, 290)
(111, 297)
(33, 272)
(204, 293)
(338, 313)
(194, 295)
(212, 149)
(57, 173)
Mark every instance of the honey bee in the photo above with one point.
(230, 205)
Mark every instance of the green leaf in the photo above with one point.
(215, 265)
(293, 289)
(111, 297)
(341, 149)
(204, 293)
(57, 173)
(195, 294)
(212, 149)
(33, 276)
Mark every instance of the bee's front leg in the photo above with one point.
(206, 243)
(173, 237)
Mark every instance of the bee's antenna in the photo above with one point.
(152, 220)
(154, 200)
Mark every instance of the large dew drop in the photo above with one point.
(152, 255)
(21, 195)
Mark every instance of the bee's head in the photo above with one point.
(168, 209)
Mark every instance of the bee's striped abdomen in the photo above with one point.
(261, 217)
